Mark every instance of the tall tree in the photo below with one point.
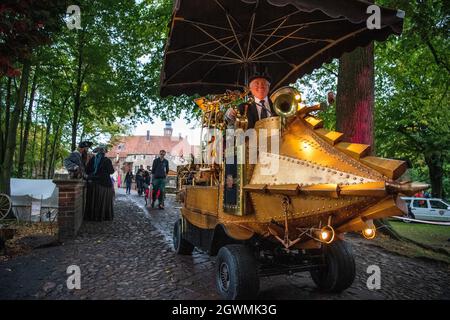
(6, 165)
(413, 109)
(25, 25)
(355, 96)
(24, 141)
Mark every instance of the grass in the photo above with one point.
(431, 235)
(409, 249)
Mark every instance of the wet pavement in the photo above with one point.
(132, 258)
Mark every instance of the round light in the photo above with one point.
(326, 234)
(298, 97)
(369, 233)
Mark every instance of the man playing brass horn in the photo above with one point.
(261, 108)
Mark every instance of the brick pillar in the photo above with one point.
(72, 198)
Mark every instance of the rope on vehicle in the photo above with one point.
(423, 221)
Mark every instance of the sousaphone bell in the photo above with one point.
(286, 102)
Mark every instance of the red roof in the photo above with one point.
(131, 145)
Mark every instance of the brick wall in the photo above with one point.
(72, 195)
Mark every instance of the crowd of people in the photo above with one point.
(150, 182)
(97, 169)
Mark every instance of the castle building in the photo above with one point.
(130, 152)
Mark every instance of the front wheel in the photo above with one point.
(181, 245)
(236, 273)
(338, 273)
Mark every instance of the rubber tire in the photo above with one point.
(243, 275)
(410, 215)
(339, 272)
(181, 245)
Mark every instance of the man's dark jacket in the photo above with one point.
(74, 160)
(160, 169)
(252, 113)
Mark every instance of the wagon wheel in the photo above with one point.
(5, 205)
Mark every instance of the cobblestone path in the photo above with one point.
(132, 258)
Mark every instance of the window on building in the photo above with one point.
(134, 157)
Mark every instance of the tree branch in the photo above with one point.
(330, 71)
(435, 55)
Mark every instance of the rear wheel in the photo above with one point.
(181, 245)
(410, 215)
(236, 273)
(339, 271)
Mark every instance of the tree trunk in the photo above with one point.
(22, 115)
(41, 152)
(7, 164)
(7, 116)
(1, 120)
(77, 93)
(355, 101)
(435, 163)
(56, 132)
(355, 96)
(23, 146)
(47, 141)
(33, 170)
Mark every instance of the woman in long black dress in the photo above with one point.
(100, 194)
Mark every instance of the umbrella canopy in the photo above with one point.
(213, 44)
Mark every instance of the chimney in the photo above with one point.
(148, 135)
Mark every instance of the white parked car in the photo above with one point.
(430, 209)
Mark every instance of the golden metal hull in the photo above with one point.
(320, 181)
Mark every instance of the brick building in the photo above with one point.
(134, 151)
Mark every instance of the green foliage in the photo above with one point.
(96, 82)
(114, 62)
(412, 82)
(314, 88)
(412, 111)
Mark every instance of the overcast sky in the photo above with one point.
(192, 130)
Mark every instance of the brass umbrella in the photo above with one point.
(213, 44)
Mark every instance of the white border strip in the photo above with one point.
(423, 221)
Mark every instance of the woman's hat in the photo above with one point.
(101, 149)
(85, 144)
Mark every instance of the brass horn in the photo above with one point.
(285, 101)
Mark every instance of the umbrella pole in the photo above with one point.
(246, 78)
(246, 74)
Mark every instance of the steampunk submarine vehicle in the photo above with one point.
(261, 222)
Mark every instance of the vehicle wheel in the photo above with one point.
(181, 245)
(410, 215)
(5, 205)
(236, 273)
(339, 270)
